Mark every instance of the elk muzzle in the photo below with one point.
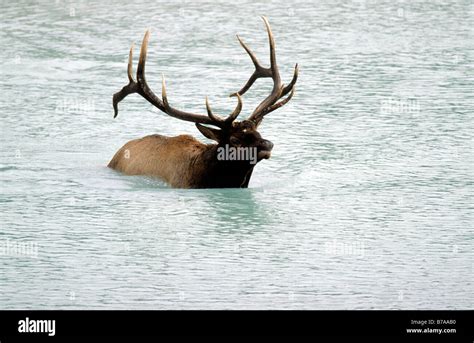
(264, 149)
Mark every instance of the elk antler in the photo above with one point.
(141, 87)
(270, 103)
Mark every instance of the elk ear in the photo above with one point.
(214, 134)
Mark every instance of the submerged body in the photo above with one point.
(181, 161)
(166, 158)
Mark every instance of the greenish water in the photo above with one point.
(366, 203)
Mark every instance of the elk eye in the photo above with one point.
(234, 141)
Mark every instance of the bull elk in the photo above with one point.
(185, 162)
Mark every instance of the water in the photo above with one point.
(366, 202)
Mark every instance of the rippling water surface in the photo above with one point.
(366, 203)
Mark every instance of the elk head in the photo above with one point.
(223, 130)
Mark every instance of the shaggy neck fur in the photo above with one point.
(222, 173)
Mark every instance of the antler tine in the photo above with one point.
(131, 87)
(285, 90)
(273, 63)
(250, 53)
(277, 105)
(259, 72)
(164, 96)
(130, 65)
(223, 123)
(210, 114)
(277, 86)
(236, 111)
(290, 86)
(141, 87)
(278, 91)
(142, 58)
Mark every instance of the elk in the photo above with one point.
(185, 162)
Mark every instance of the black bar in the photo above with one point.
(372, 324)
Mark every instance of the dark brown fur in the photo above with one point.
(185, 162)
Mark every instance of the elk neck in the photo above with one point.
(215, 173)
